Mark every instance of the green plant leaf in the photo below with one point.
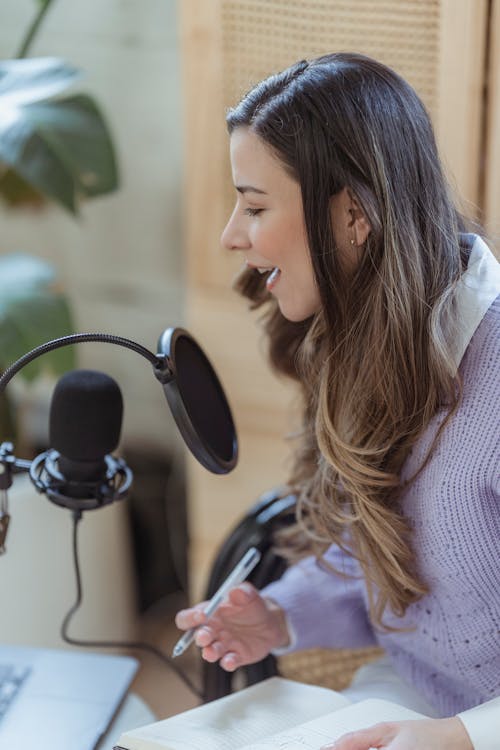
(17, 192)
(77, 132)
(32, 321)
(60, 147)
(32, 311)
(33, 80)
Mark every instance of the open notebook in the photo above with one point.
(59, 699)
(276, 713)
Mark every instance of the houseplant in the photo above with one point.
(52, 148)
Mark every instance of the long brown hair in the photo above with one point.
(375, 364)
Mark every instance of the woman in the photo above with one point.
(387, 313)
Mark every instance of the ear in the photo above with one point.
(358, 224)
(350, 228)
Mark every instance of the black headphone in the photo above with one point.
(273, 510)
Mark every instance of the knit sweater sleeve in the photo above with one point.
(324, 608)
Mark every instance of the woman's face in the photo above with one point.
(267, 225)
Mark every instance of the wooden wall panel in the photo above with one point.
(463, 32)
(492, 151)
(227, 45)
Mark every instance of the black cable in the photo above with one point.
(77, 515)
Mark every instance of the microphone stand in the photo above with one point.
(9, 465)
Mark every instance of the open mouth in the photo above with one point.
(273, 275)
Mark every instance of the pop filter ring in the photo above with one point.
(194, 437)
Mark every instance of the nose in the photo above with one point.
(234, 236)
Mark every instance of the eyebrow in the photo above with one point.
(249, 189)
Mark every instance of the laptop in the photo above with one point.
(58, 699)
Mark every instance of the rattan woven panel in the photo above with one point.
(263, 36)
(331, 668)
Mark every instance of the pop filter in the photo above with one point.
(198, 403)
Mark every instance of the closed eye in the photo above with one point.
(252, 211)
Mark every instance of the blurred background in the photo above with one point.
(144, 255)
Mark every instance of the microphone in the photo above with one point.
(85, 421)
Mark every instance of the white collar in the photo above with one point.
(475, 292)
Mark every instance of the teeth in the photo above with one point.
(263, 270)
(274, 276)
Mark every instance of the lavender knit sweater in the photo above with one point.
(451, 655)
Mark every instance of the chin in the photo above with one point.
(295, 315)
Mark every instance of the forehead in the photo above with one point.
(253, 161)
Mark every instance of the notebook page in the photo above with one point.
(329, 727)
(238, 719)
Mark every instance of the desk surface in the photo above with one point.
(133, 713)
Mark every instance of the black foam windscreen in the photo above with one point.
(204, 398)
(85, 415)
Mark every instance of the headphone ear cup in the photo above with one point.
(257, 528)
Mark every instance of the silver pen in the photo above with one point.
(237, 576)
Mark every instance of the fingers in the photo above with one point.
(238, 597)
(192, 617)
(213, 648)
(216, 636)
(377, 736)
(243, 594)
(209, 638)
(230, 661)
(215, 652)
(205, 636)
(212, 652)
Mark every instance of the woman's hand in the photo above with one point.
(243, 630)
(423, 734)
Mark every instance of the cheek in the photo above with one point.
(292, 247)
(299, 254)
(270, 242)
